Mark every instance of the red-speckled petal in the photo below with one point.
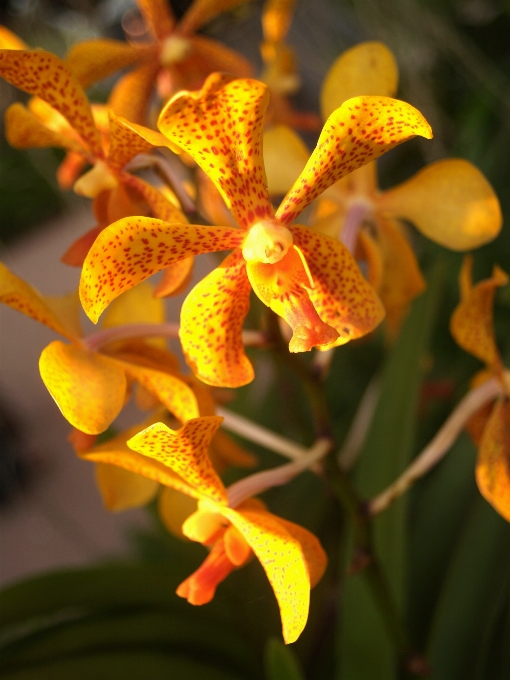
(212, 318)
(88, 388)
(124, 143)
(282, 557)
(472, 323)
(315, 556)
(158, 15)
(221, 128)
(493, 464)
(360, 131)
(93, 60)
(185, 452)
(342, 297)
(19, 295)
(45, 75)
(24, 131)
(134, 248)
(284, 287)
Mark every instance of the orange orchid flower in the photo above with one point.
(90, 387)
(173, 56)
(449, 201)
(307, 278)
(291, 556)
(473, 329)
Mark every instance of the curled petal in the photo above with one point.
(185, 452)
(450, 202)
(283, 561)
(360, 131)
(212, 318)
(19, 295)
(201, 12)
(472, 323)
(45, 75)
(285, 156)
(158, 16)
(132, 249)
(493, 464)
(284, 287)
(77, 252)
(88, 388)
(93, 60)
(221, 128)
(342, 297)
(151, 136)
(24, 131)
(131, 94)
(176, 278)
(121, 489)
(366, 69)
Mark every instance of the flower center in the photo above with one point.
(174, 49)
(267, 242)
(96, 180)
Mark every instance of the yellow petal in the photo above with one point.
(10, 41)
(314, 554)
(121, 489)
(131, 94)
(88, 388)
(237, 549)
(24, 131)
(185, 452)
(45, 75)
(342, 297)
(93, 60)
(225, 140)
(285, 156)
(283, 561)
(174, 508)
(493, 464)
(368, 68)
(161, 207)
(176, 278)
(368, 249)
(158, 16)
(137, 305)
(19, 295)
(132, 249)
(450, 202)
(152, 136)
(277, 18)
(360, 131)
(212, 318)
(200, 12)
(125, 144)
(204, 525)
(472, 323)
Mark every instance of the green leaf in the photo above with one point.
(386, 453)
(280, 662)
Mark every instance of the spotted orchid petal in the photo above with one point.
(472, 323)
(313, 552)
(122, 489)
(93, 60)
(284, 287)
(152, 136)
(185, 452)
(366, 69)
(45, 75)
(450, 202)
(132, 249)
(212, 317)
(10, 41)
(24, 131)
(221, 128)
(161, 207)
(341, 296)
(360, 131)
(125, 144)
(88, 388)
(158, 17)
(285, 156)
(201, 12)
(282, 558)
(59, 314)
(492, 467)
(131, 94)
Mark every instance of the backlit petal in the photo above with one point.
(221, 128)
(137, 305)
(158, 16)
(125, 144)
(360, 131)
(121, 489)
(200, 12)
(212, 318)
(24, 131)
(283, 561)
(236, 547)
(200, 587)
(277, 18)
(152, 136)
(10, 41)
(368, 68)
(185, 452)
(132, 249)
(285, 156)
(131, 94)
(205, 525)
(449, 201)
(88, 388)
(493, 464)
(285, 287)
(314, 554)
(174, 507)
(93, 60)
(19, 295)
(342, 297)
(472, 323)
(45, 75)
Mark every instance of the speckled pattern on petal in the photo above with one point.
(124, 143)
(45, 75)
(212, 318)
(360, 131)
(221, 128)
(493, 464)
(185, 451)
(24, 131)
(134, 248)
